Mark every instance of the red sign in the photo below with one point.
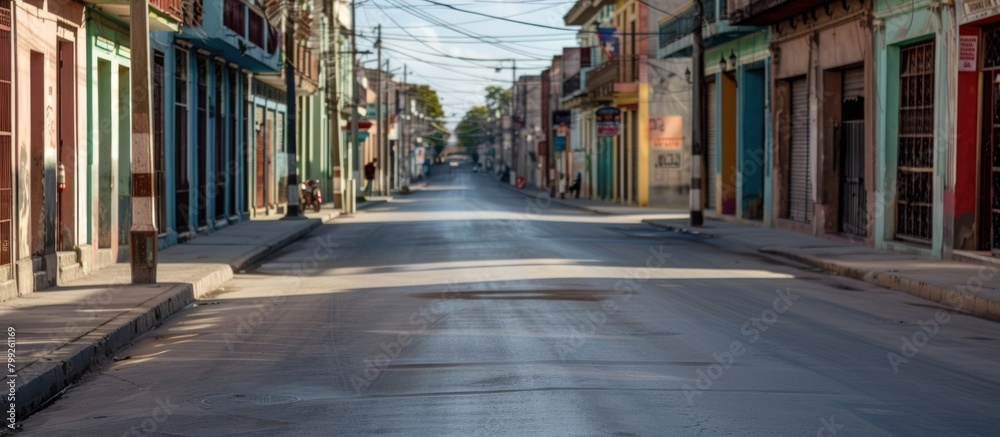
(968, 46)
(608, 122)
(362, 125)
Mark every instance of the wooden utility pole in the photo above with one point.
(697, 125)
(143, 236)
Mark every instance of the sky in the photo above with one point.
(422, 35)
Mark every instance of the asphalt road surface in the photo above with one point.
(469, 309)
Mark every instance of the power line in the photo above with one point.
(543, 26)
(431, 19)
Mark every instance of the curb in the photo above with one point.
(370, 203)
(266, 251)
(55, 372)
(954, 298)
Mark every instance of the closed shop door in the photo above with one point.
(853, 199)
(989, 202)
(711, 156)
(800, 203)
(915, 159)
(6, 143)
(182, 180)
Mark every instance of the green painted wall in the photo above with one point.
(907, 22)
(107, 128)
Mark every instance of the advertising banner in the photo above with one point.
(666, 132)
(609, 122)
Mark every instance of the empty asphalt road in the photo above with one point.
(469, 309)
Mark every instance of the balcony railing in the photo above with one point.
(307, 63)
(623, 69)
(303, 26)
(763, 12)
(683, 24)
(174, 8)
(601, 80)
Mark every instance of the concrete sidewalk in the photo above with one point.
(60, 332)
(969, 286)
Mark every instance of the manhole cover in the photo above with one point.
(249, 399)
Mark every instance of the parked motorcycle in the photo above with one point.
(310, 195)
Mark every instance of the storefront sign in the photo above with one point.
(670, 160)
(608, 122)
(977, 6)
(967, 49)
(561, 121)
(666, 132)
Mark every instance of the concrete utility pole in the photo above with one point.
(390, 175)
(290, 123)
(143, 238)
(352, 189)
(405, 160)
(378, 109)
(510, 117)
(386, 100)
(333, 100)
(697, 125)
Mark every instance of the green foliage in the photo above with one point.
(498, 97)
(427, 98)
(471, 131)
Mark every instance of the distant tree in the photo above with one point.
(498, 97)
(471, 131)
(428, 99)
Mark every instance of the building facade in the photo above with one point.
(972, 203)
(219, 113)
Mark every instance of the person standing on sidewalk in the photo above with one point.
(370, 176)
(577, 184)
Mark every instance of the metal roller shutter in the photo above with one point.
(800, 204)
(854, 84)
(710, 145)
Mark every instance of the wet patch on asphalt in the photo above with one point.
(571, 295)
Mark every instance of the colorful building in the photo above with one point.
(219, 113)
(913, 45)
(821, 115)
(586, 146)
(972, 201)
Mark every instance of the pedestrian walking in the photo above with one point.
(370, 176)
(577, 184)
